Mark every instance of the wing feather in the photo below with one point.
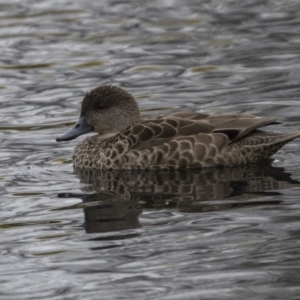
(154, 132)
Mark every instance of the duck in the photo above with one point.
(179, 140)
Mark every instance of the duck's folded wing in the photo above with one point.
(235, 126)
(155, 132)
(239, 125)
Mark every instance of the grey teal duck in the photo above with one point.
(175, 141)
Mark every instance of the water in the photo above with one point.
(214, 234)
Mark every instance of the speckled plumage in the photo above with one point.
(175, 141)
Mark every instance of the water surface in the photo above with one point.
(212, 234)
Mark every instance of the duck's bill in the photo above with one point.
(80, 128)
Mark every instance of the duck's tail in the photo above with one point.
(260, 145)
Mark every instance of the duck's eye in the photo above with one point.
(101, 107)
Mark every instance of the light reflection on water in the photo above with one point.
(214, 234)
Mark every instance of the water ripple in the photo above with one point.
(213, 235)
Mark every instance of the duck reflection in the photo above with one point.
(113, 200)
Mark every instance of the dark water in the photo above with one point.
(214, 234)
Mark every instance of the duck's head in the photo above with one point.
(106, 110)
